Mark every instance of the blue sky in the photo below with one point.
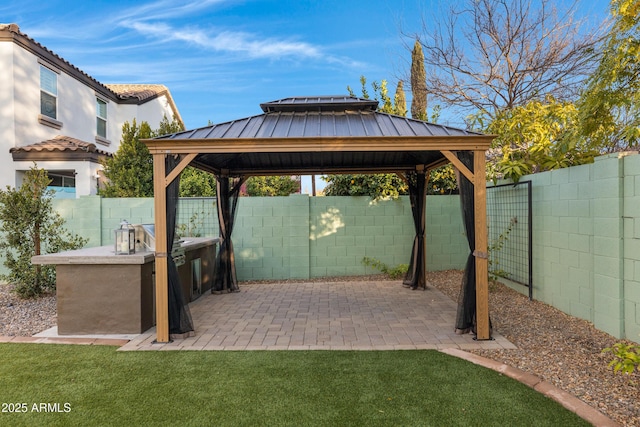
(221, 58)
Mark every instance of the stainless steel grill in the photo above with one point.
(146, 241)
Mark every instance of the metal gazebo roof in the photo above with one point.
(323, 134)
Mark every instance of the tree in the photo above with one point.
(197, 183)
(129, 172)
(262, 186)
(418, 83)
(491, 55)
(375, 186)
(30, 227)
(400, 100)
(378, 185)
(397, 105)
(609, 109)
(531, 138)
(167, 127)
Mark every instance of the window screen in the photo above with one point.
(101, 113)
(48, 92)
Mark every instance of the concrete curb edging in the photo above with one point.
(63, 340)
(570, 402)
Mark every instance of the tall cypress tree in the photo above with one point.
(418, 83)
(400, 100)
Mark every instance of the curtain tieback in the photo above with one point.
(479, 254)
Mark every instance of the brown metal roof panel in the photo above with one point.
(372, 126)
(356, 125)
(235, 129)
(340, 126)
(312, 125)
(298, 124)
(319, 103)
(253, 126)
(403, 127)
(269, 124)
(195, 133)
(385, 125)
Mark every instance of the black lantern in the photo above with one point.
(125, 239)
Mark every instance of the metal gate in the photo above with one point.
(509, 219)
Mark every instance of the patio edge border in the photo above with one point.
(63, 340)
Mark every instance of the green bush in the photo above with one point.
(393, 272)
(31, 227)
(626, 357)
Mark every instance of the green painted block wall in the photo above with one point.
(631, 247)
(586, 241)
(83, 217)
(296, 236)
(330, 236)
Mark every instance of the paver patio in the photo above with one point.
(356, 315)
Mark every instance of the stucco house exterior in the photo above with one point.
(56, 115)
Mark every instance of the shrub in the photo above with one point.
(31, 227)
(393, 272)
(626, 357)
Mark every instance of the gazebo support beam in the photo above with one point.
(160, 212)
(481, 254)
(162, 276)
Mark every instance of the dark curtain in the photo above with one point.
(416, 274)
(228, 190)
(180, 321)
(466, 316)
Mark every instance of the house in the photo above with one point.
(56, 115)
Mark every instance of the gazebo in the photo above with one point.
(319, 135)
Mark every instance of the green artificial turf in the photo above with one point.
(262, 388)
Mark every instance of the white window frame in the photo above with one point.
(100, 118)
(54, 76)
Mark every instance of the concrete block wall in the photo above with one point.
(631, 247)
(83, 217)
(586, 242)
(134, 210)
(295, 237)
(302, 237)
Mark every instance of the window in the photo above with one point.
(62, 180)
(101, 113)
(48, 93)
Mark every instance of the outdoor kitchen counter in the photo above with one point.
(99, 292)
(106, 254)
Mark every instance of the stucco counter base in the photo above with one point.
(99, 292)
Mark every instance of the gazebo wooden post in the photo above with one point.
(481, 253)
(162, 276)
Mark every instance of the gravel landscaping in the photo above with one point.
(558, 348)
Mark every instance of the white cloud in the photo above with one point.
(153, 20)
(166, 9)
(229, 41)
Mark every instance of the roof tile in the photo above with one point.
(59, 143)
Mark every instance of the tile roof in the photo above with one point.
(140, 92)
(60, 144)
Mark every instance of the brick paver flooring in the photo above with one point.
(322, 316)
